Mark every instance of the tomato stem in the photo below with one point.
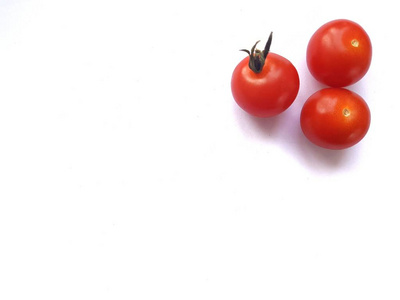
(257, 57)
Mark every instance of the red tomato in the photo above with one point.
(335, 118)
(266, 92)
(339, 53)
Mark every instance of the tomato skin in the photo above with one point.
(339, 53)
(269, 92)
(335, 118)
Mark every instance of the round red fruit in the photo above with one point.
(264, 84)
(339, 53)
(335, 118)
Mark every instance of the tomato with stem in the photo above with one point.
(264, 84)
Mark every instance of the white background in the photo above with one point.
(127, 171)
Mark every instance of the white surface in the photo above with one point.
(128, 172)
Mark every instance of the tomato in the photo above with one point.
(264, 84)
(335, 118)
(339, 53)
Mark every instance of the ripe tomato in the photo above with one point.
(339, 53)
(335, 118)
(264, 84)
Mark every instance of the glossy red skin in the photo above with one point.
(333, 59)
(269, 92)
(325, 124)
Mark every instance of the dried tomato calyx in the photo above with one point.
(257, 57)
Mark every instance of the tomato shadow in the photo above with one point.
(258, 128)
(319, 158)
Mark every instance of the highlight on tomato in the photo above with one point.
(339, 53)
(264, 84)
(335, 118)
